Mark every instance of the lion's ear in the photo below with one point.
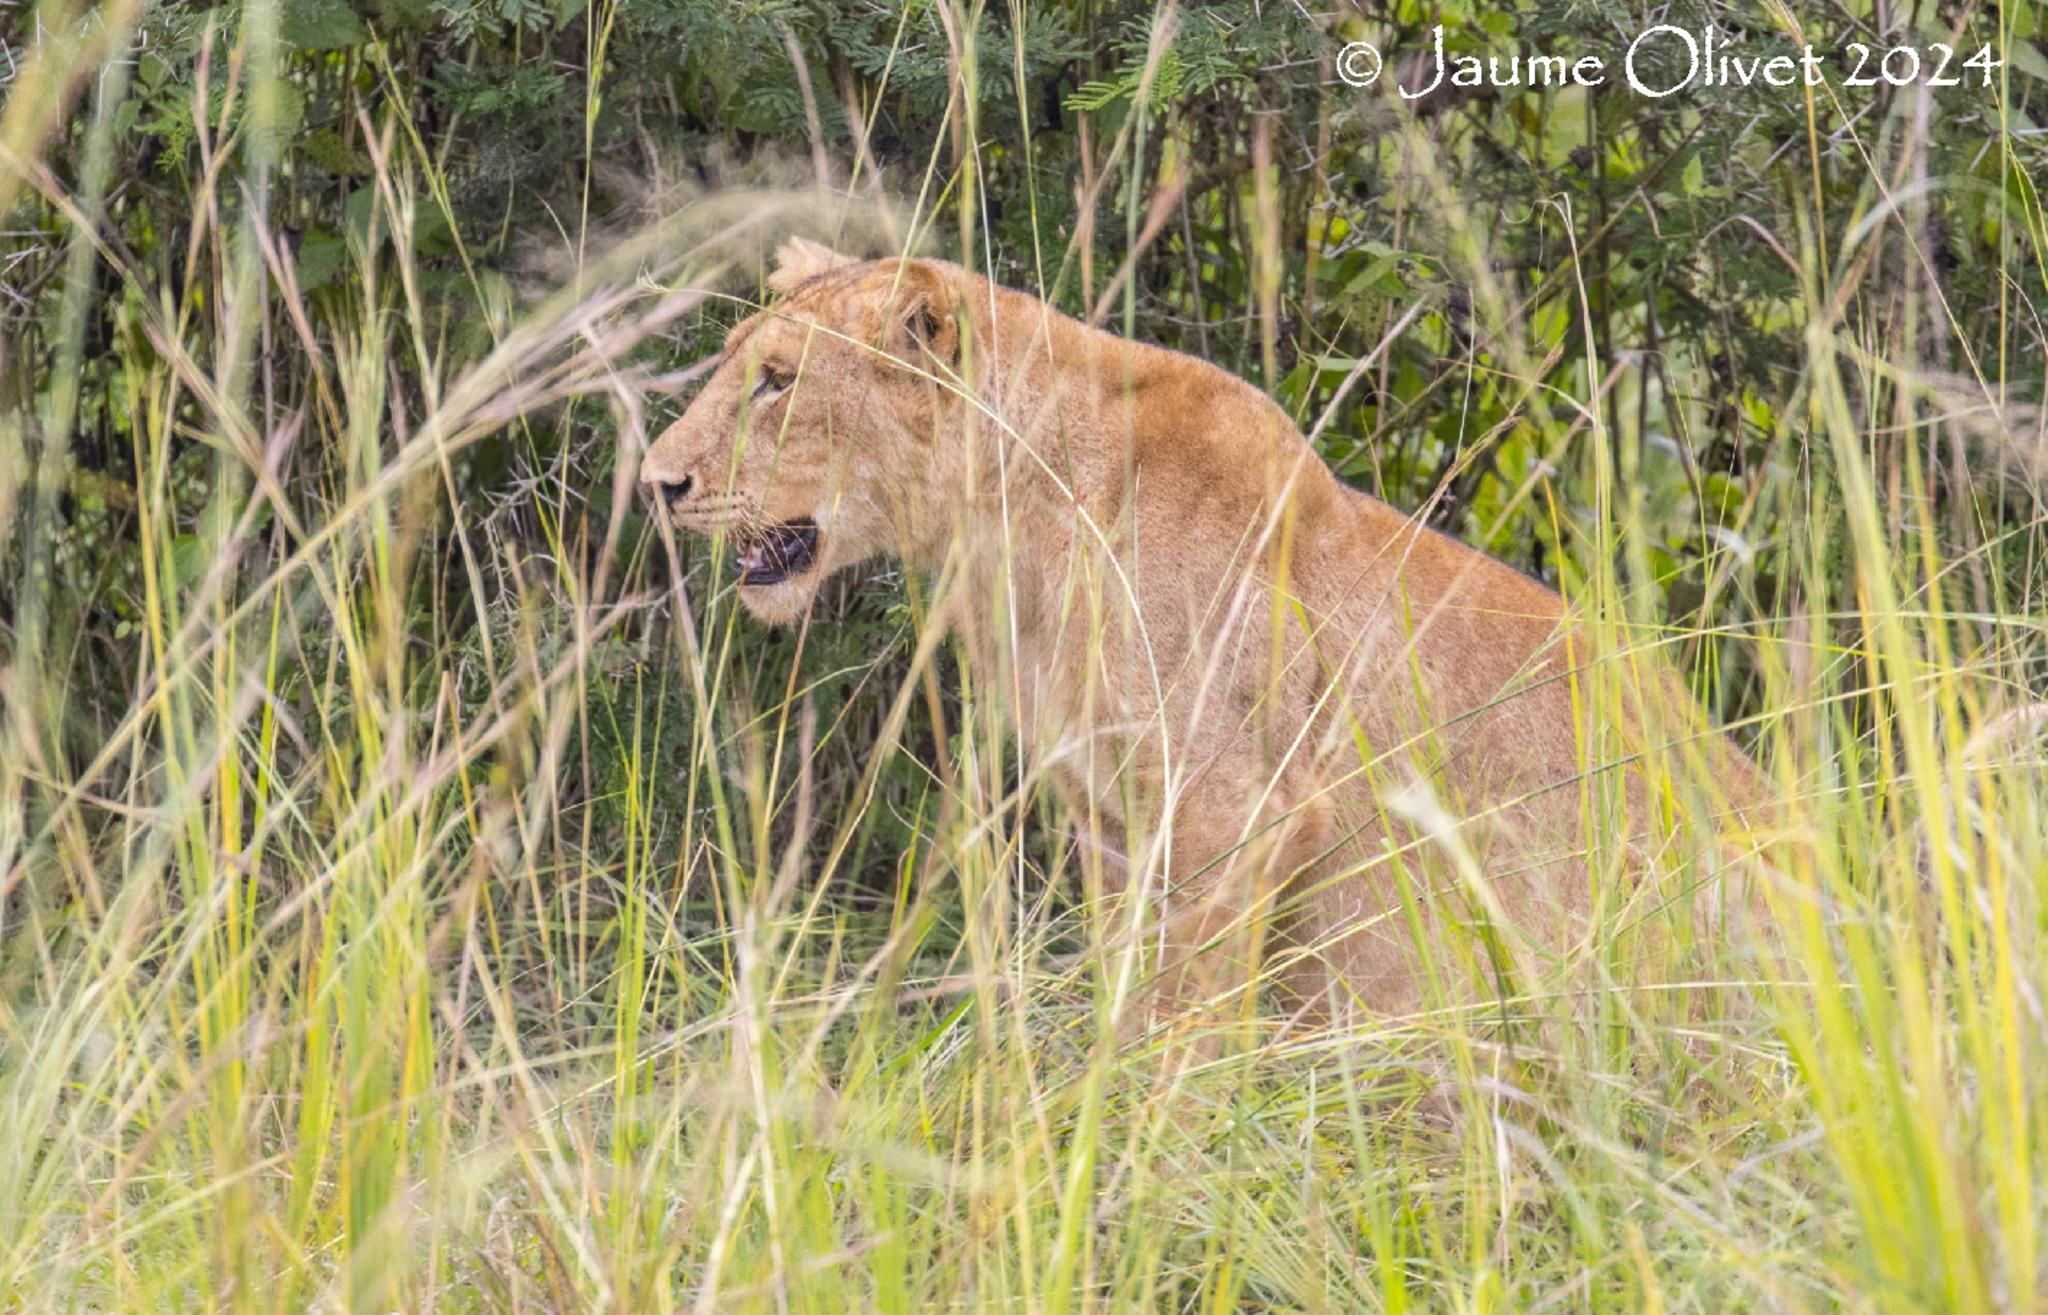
(925, 316)
(800, 260)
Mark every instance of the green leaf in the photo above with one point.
(1373, 277)
(357, 212)
(2026, 59)
(321, 25)
(1094, 94)
(189, 559)
(320, 258)
(326, 150)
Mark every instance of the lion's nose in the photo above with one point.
(672, 491)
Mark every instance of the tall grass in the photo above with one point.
(364, 967)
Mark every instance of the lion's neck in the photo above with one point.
(1077, 429)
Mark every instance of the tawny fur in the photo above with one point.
(1275, 701)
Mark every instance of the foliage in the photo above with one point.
(399, 845)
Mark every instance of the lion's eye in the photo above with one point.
(771, 385)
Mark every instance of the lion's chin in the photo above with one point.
(782, 603)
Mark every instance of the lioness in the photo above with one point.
(1270, 697)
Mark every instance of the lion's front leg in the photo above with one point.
(1226, 877)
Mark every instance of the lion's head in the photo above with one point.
(817, 443)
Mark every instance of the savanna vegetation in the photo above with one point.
(421, 890)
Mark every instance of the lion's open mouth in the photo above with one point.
(779, 552)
